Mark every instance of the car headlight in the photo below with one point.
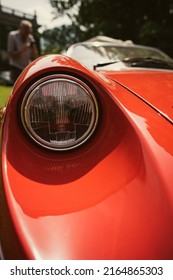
(59, 112)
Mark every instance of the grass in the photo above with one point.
(4, 93)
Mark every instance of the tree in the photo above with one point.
(57, 39)
(144, 22)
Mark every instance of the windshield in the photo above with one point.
(90, 55)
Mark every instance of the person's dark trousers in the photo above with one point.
(14, 73)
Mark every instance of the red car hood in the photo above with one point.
(154, 87)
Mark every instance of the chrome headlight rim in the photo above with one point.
(56, 78)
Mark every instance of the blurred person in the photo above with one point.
(21, 48)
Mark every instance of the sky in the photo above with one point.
(43, 9)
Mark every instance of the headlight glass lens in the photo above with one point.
(60, 112)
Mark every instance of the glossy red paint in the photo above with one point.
(112, 198)
(155, 87)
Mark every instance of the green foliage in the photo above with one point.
(144, 22)
(57, 39)
(4, 94)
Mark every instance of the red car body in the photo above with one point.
(110, 198)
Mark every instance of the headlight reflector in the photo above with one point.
(59, 112)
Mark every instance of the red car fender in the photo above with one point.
(109, 199)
